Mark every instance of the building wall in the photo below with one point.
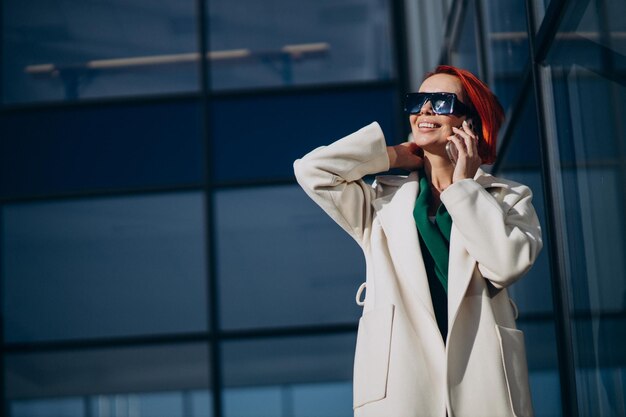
(156, 255)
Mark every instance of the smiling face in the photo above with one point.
(430, 130)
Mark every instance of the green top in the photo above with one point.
(436, 235)
(434, 241)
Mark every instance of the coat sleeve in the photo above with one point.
(503, 237)
(332, 176)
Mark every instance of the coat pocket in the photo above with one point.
(371, 359)
(515, 366)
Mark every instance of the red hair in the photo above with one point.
(484, 104)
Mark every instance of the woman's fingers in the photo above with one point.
(457, 141)
(468, 138)
(460, 139)
(469, 130)
(469, 160)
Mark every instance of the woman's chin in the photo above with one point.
(436, 151)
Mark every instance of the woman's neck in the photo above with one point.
(439, 172)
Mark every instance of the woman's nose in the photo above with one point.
(427, 108)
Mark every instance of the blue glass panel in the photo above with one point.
(546, 393)
(507, 43)
(590, 144)
(253, 402)
(596, 235)
(152, 404)
(616, 27)
(592, 35)
(259, 136)
(609, 398)
(104, 267)
(589, 174)
(541, 352)
(591, 111)
(300, 376)
(280, 257)
(110, 146)
(282, 42)
(522, 151)
(507, 26)
(54, 407)
(602, 23)
(65, 50)
(329, 399)
(201, 403)
(464, 54)
(153, 381)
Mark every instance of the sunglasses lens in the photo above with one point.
(414, 102)
(442, 105)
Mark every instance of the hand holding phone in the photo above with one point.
(451, 149)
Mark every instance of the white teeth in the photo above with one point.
(428, 125)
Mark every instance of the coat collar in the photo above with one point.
(482, 177)
(394, 208)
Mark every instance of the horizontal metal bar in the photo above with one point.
(296, 52)
(101, 193)
(261, 333)
(182, 338)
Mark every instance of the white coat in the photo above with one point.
(402, 367)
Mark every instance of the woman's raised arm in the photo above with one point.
(332, 176)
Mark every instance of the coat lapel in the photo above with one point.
(395, 212)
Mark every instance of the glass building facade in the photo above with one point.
(156, 255)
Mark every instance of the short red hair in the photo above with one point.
(484, 104)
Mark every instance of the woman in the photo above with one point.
(438, 335)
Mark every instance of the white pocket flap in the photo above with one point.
(371, 359)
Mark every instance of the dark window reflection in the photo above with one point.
(464, 54)
(280, 258)
(65, 50)
(541, 350)
(593, 184)
(154, 381)
(603, 23)
(589, 98)
(259, 136)
(300, 377)
(104, 267)
(69, 150)
(281, 42)
(507, 43)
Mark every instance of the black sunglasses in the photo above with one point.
(442, 103)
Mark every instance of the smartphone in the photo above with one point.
(451, 150)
